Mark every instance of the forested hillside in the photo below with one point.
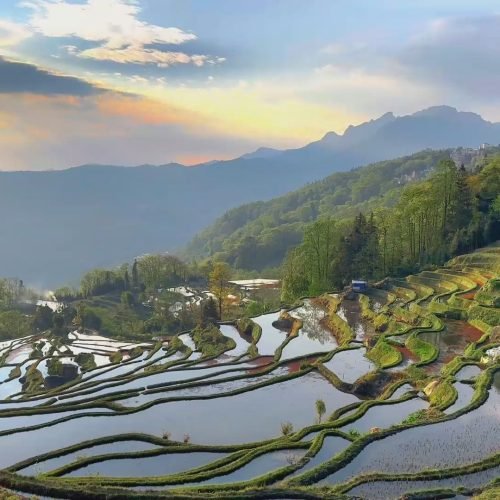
(258, 235)
(452, 212)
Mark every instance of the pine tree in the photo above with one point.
(463, 200)
(126, 280)
(135, 275)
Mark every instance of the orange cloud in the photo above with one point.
(146, 111)
(191, 159)
(67, 100)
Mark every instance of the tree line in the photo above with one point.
(454, 211)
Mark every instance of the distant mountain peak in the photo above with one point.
(441, 110)
(450, 113)
(331, 136)
(371, 124)
(262, 152)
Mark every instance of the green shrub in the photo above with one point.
(487, 315)
(384, 354)
(86, 361)
(54, 367)
(210, 341)
(116, 357)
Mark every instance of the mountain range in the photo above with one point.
(57, 224)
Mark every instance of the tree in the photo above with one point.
(462, 205)
(101, 281)
(286, 428)
(320, 409)
(219, 283)
(319, 247)
(126, 280)
(160, 271)
(209, 313)
(11, 290)
(295, 282)
(79, 319)
(43, 318)
(135, 275)
(127, 299)
(14, 324)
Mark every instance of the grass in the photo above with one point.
(491, 493)
(384, 354)
(425, 351)
(488, 315)
(443, 395)
(342, 331)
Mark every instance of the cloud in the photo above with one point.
(134, 109)
(12, 33)
(141, 55)
(114, 25)
(16, 77)
(462, 53)
(46, 132)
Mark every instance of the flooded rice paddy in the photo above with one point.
(141, 417)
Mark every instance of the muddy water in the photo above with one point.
(452, 341)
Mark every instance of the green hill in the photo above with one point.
(258, 235)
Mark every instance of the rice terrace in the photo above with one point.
(388, 392)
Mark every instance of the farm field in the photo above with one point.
(384, 394)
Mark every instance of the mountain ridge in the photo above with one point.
(102, 215)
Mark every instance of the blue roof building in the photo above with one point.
(359, 286)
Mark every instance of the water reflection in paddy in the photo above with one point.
(388, 490)
(241, 344)
(257, 467)
(160, 465)
(271, 337)
(313, 336)
(165, 377)
(351, 364)
(350, 312)
(468, 372)
(331, 446)
(246, 417)
(465, 392)
(102, 449)
(467, 439)
(400, 391)
(204, 390)
(383, 416)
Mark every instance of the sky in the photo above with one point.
(131, 82)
